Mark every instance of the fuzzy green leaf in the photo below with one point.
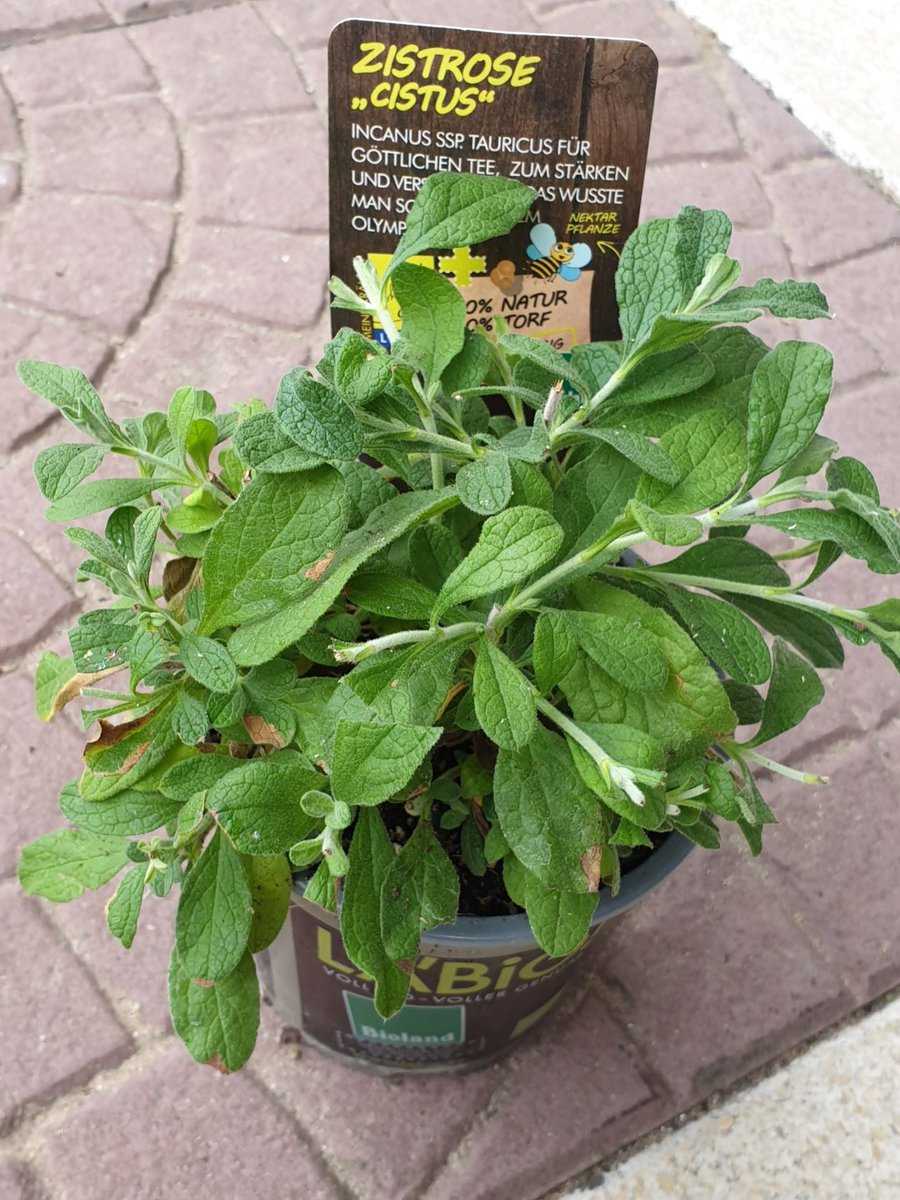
(788, 394)
(258, 804)
(546, 813)
(278, 529)
(73, 394)
(371, 857)
(207, 661)
(125, 814)
(420, 890)
(372, 762)
(666, 528)
(725, 635)
(729, 558)
(187, 405)
(434, 318)
(261, 640)
(315, 417)
(214, 914)
(794, 690)
(485, 485)
(554, 649)
(559, 920)
(264, 446)
(504, 699)
(59, 469)
(62, 865)
(806, 631)
(217, 1024)
(710, 452)
(460, 210)
(123, 909)
(511, 546)
(269, 877)
(622, 648)
(99, 494)
(362, 370)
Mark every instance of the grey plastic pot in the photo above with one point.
(478, 986)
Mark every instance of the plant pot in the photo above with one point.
(479, 985)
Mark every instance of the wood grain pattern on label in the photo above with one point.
(568, 115)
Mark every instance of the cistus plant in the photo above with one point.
(393, 630)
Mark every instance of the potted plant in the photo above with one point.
(400, 641)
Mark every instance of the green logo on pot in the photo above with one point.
(414, 1025)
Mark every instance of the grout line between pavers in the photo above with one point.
(297, 60)
(75, 28)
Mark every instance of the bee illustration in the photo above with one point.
(550, 257)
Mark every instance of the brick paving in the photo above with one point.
(162, 221)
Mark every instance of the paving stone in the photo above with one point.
(833, 860)
(355, 1114)
(70, 70)
(228, 1139)
(14, 1184)
(85, 256)
(9, 127)
(761, 253)
(24, 18)
(771, 133)
(129, 11)
(38, 760)
(468, 14)
(828, 212)
(248, 173)
(254, 274)
(195, 58)
(732, 186)
(690, 118)
(863, 292)
(135, 979)
(310, 23)
(568, 1099)
(32, 600)
(712, 978)
(176, 347)
(127, 147)
(672, 38)
(57, 1028)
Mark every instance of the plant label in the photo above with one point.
(570, 116)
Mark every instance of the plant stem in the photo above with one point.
(410, 433)
(780, 769)
(358, 651)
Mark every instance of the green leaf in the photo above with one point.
(485, 485)
(806, 631)
(882, 521)
(542, 354)
(634, 748)
(371, 858)
(788, 299)
(794, 690)
(199, 513)
(504, 699)
(269, 877)
(218, 1024)
(365, 488)
(460, 210)
(208, 662)
(125, 814)
(52, 675)
(728, 558)
(277, 530)
(668, 529)
(661, 377)
(390, 595)
(725, 635)
(190, 719)
(264, 446)
(362, 370)
(196, 774)
(810, 460)
(623, 648)
(316, 418)
(123, 909)
(788, 394)
(259, 641)
(62, 865)
(144, 532)
(187, 406)
(59, 469)
(372, 762)
(746, 702)
(434, 318)
(72, 393)
(650, 457)
(710, 453)
(434, 550)
(258, 804)
(511, 545)
(592, 495)
(554, 650)
(471, 366)
(547, 814)
(420, 890)
(855, 535)
(214, 914)
(559, 920)
(99, 494)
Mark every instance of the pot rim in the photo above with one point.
(513, 933)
